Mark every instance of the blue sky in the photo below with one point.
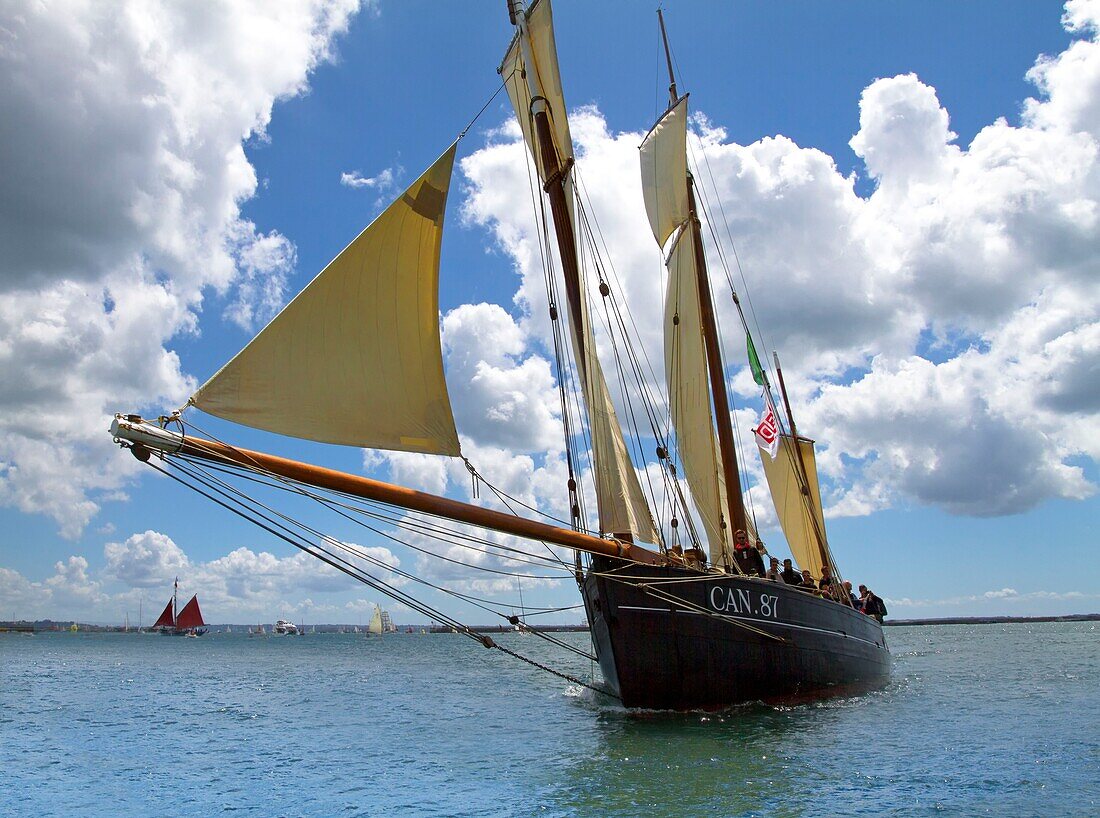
(176, 174)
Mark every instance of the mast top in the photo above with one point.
(672, 95)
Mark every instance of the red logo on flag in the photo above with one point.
(767, 433)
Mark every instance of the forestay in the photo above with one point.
(355, 358)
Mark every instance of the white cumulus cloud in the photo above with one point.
(123, 176)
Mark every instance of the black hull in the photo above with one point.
(672, 639)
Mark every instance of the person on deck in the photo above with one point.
(853, 600)
(774, 574)
(827, 580)
(808, 583)
(758, 561)
(790, 575)
(748, 558)
(873, 606)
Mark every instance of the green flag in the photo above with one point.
(754, 363)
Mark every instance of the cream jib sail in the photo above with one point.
(355, 358)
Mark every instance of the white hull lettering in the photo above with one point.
(739, 601)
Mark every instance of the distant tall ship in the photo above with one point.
(187, 622)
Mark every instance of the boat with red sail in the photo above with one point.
(185, 621)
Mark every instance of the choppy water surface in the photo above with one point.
(979, 720)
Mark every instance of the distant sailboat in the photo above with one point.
(375, 626)
(188, 622)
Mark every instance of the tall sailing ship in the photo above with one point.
(678, 621)
(185, 621)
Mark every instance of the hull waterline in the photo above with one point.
(672, 639)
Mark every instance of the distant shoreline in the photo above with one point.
(995, 620)
(51, 625)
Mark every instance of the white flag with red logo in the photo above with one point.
(767, 431)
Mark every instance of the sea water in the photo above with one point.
(978, 720)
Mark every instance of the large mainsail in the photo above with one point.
(355, 358)
(663, 156)
(689, 393)
(799, 514)
(531, 61)
(190, 616)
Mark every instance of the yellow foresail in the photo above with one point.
(622, 504)
(355, 358)
(803, 522)
(664, 172)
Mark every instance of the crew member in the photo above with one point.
(790, 574)
(747, 557)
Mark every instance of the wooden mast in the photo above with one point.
(144, 437)
(672, 95)
(554, 186)
(735, 505)
(555, 174)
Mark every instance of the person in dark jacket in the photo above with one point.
(789, 574)
(873, 606)
(747, 556)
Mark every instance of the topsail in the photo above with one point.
(664, 171)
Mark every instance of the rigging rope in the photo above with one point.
(238, 507)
